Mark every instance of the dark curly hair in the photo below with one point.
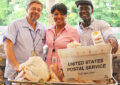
(60, 7)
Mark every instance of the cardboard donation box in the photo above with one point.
(87, 62)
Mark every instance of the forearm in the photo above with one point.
(11, 57)
(114, 43)
(10, 54)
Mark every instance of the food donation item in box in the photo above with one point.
(87, 62)
(35, 70)
(97, 38)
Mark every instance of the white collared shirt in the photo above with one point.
(96, 25)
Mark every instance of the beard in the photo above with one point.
(87, 22)
(86, 19)
(34, 17)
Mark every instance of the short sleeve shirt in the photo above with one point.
(96, 25)
(21, 34)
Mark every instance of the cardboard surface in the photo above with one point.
(87, 62)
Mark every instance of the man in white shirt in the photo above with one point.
(89, 25)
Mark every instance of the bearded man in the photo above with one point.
(24, 38)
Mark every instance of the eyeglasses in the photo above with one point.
(34, 9)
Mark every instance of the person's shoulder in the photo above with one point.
(50, 27)
(42, 26)
(102, 22)
(20, 20)
(70, 28)
(77, 26)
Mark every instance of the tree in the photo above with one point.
(108, 10)
(17, 9)
(3, 12)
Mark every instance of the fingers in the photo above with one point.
(114, 49)
(114, 45)
(17, 68)
(111, 81)
(60, 74)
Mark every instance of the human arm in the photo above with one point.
(8, 45)
(109, 38)
(114, 43)
(9, 40)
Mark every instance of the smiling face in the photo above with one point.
(59, 18)
(34, 11)
(85, 12)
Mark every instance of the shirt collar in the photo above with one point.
(27, 25)
(89, 27)
(66, 27)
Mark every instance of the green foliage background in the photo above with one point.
(108, 10)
